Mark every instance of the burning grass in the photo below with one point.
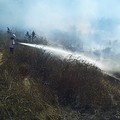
(36, 85)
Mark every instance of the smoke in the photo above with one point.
(91, 26)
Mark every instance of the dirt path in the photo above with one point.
(1, 58)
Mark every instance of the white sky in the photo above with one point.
(92, 18)
(37, 13)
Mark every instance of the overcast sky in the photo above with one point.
(96, 18)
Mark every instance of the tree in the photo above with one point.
(33, 36)
(28, 37)
(9, 31)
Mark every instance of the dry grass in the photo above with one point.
(36, 86)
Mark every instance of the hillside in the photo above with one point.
(37, 86)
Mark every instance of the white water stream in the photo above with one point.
(71, 55)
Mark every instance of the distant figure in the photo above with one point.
(11, 44)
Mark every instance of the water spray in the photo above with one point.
(63, 54)
(66, 54)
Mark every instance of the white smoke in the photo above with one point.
(96, 23)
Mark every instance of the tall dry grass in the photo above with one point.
(38, 86)
(75, 83)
